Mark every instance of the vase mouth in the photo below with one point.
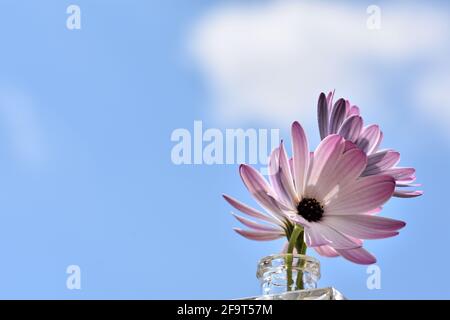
(295, 255)
(274, 262)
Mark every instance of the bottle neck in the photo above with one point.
(287, 272)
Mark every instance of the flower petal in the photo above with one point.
(353, 111)
(286, 176)
(365, 194)
(347, 107)
(248, 210)
(349, 146)
(324, 162)
(358, 255)
(313, 238)
(260, 190)
(336, 239)
(380, 161)
(374, 211)
(399, 184)
(369, 138)
(296, 218)
(300, 152)
(259, 235)
(351, 128)
(275, 176)
(291, 165)
(326, 251)
(364, 226)
(348, 169)
(255, 225)
(322, 115)
(337, 116)
(407, 193)
(401, 175)
(377, 143)
(330, 97)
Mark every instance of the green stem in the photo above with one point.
(301, 249)
(289, 258)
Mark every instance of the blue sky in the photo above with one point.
(85, 123)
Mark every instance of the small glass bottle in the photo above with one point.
(292, 277)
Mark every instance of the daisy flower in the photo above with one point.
(344, 119)
(323, 193)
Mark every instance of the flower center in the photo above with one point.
(310, 209)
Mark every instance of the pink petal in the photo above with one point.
(357, 255)
(291, 165)
(347, 107)
(255, 225)
(353, 111)
(300, 151)
(275, 176)
(369, 138)
(336, 239)
(380, 161)
(350, 166)
(406, 181)
(374, 211)
(322, 115)
(358, 241)
(326, 251)
(324, 161)
(260, 189)
(286, 175)
(313, 238)
(248, 210)
(364, 226)
(296, 218)
(348, 169)
(377, 143)
(259, 235)
(351, 128)
(337, 116)
(399, 184)
(330, 97)
(280, 205)
(365, 194)
(402, 175)
(407, 194)
(349, 146)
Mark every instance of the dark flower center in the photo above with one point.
(310, 209)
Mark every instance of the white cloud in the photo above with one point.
(21, 127)
(270, 61)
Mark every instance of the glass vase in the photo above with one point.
(292, 277)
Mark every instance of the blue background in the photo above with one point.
(94, 184)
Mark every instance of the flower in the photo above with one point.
(324, 193)
(344, 119)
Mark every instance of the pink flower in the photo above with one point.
(344, 119)
(324, 193)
